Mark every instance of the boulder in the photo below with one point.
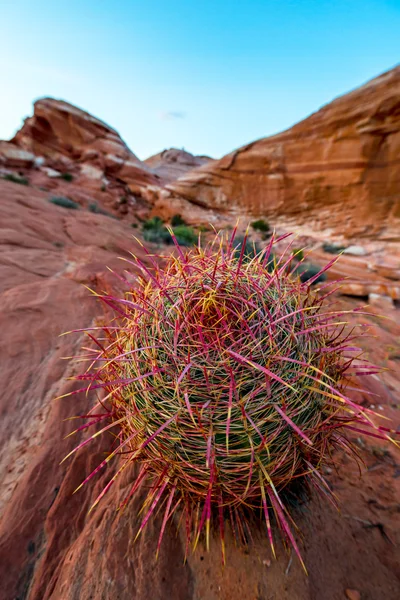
(355, 250)
(52, 173)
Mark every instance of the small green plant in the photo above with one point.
(261, 225)
(103, 188)
(123, 200)
(157, 236)
(332, 248)
(185, 235)
(177, 220)
(67, 177)
(154, 231)
(134, 225)
(226, 382)
(95, 208)
(153, 223)
(64, 202)
(16, 179)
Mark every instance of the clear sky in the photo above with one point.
(206, 75)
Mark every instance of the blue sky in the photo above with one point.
(208, 76)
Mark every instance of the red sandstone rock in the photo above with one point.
(337, 170)
(60, 131)
(173, 163)
(50, 546)
(385, 302)
(365, 275)
(13, 157)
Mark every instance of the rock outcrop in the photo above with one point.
(337, 170)
(61, 143)
(68, 152)
(14, 157)
(174, 163)
(68, 136)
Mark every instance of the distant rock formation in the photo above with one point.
(66, 134)
(173, 163)
(337, 170)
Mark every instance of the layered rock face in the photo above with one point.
(14, 157)
(337, 170)
(62, 132)
(68, 152)
(173, 163)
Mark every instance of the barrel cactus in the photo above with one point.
(225, 380)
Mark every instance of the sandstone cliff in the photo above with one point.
(337, 170)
